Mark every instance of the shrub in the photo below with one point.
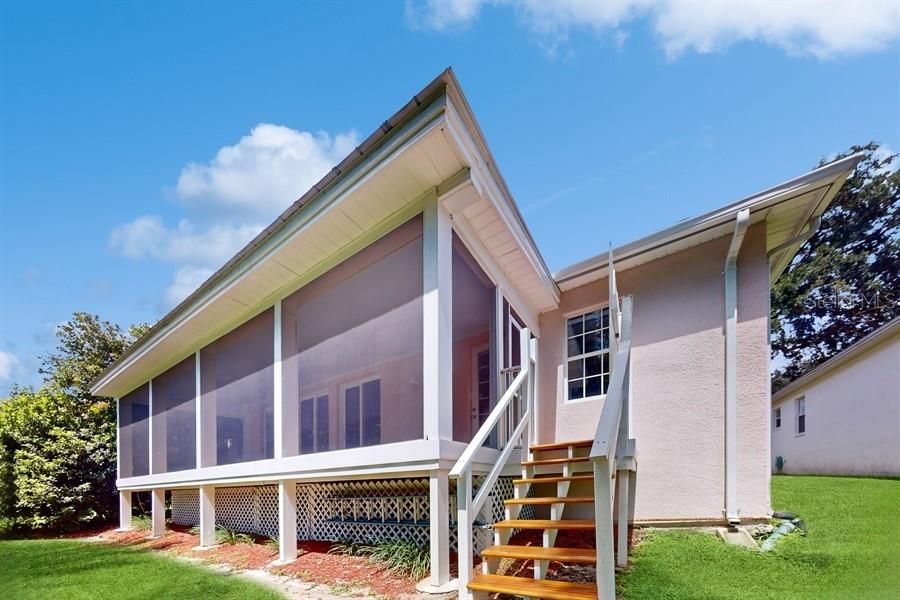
(57, 469)
(58, 444)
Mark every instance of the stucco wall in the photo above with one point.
(852, 418)
(678, 379)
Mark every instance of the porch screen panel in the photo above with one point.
(236, 380)
(174, 418)
(352, 340)
(134, 433)
(473, 314)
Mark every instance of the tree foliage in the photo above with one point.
(58, 443)
(845, 282)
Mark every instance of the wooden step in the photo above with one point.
(555, 461)
(587, 556)
(561, 445)
(555, 479)
(534, 588)
(544, 524)
(559, 500)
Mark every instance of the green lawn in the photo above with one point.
(72, 570)
(851, 551)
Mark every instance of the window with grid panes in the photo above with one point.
(587, 355)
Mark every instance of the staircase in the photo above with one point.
(564, 483)
(557, 476)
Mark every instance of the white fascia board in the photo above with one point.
(418, 127)
(678, 235)
(488, 188)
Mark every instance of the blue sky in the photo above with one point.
(607, 121)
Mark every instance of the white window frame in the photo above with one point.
(776, 417)
(798, 404)
(474, 424)
(314, 397)
(567, 358)
(342, 401)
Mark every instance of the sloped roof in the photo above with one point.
(882, 334)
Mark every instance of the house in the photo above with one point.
(392, 358)
(843, 417)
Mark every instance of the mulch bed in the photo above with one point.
(313, 563)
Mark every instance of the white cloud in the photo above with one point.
(265, 171)
(187, 279)
(821, 29)
(230, 199)
(442, 14)
(149, 237)
(10, 366)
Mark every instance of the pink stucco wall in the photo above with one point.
(678, 379)
(852, 418)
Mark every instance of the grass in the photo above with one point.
(852, 550)
(73, 570)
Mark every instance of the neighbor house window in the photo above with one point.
(362, 414)
(587, 355)
(778, 418)
(801, 415)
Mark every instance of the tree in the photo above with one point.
(58, 444)
(845, 282)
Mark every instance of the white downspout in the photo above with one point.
(732, 512)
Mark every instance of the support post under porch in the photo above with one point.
(439, 581)
(125, 510)
(287, 521)
(207, 516)
(157, 512)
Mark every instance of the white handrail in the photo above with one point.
(606, 436)
(606, 450)
(514, 411)
(465, 460)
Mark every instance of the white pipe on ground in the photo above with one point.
(732, 512)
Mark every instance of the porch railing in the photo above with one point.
(613, 450)
(510, 424)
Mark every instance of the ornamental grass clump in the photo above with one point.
(403, 558)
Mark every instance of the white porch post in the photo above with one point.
(124, 510)
(198, 414)
(158, 512)
(440, 528)
(603, 517)
(437, 314)
(287, 521)
(207, 516)
(623, 487)
(285, 429)
(464, 544)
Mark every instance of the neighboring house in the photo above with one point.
(367, 366)
(843, 417)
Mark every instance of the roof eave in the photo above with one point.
(880, 335)
(419, 101)
(837, 170)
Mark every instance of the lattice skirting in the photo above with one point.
(365, 511)
(186, 507)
